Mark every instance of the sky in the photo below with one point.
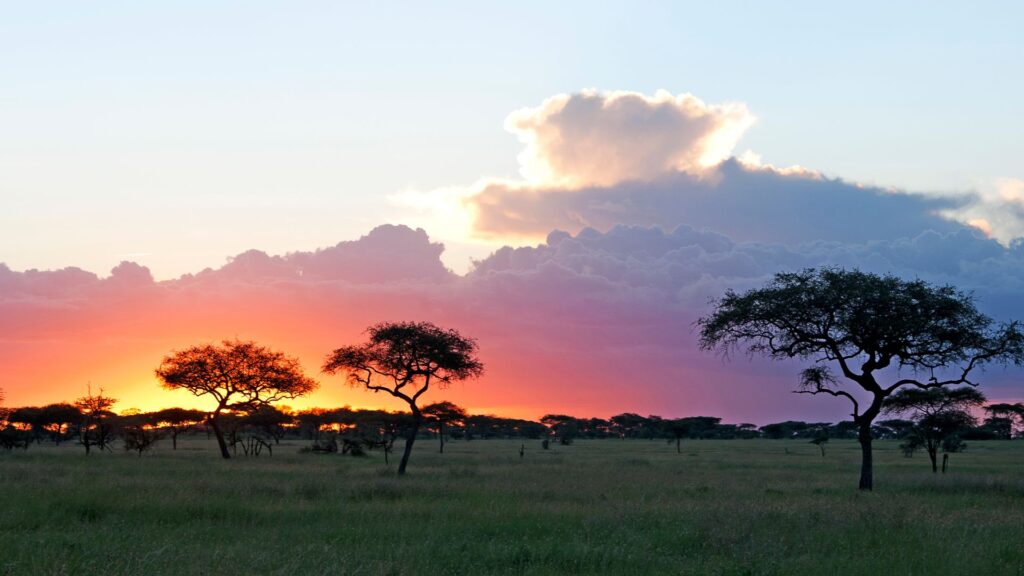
(679, 149)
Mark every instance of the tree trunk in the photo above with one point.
(678, 449)
(220, 438)
(945, 461)
(440, 434)
(933, 456)
(174, 439)
(866, 464)
(409, 441)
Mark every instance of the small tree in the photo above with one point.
(442, 414)
(59, 419)
(820, 442)
(30, 418)
(139, 431)
(238, 375)
(96, 427)
(177, 421)
(403, 359)
(863, 324)
(1004, 417)
(562, 426)
(380, 429)
(270, 421)
(313, 421)
(940, 415)
(677, 430)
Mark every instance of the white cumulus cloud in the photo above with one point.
(593, 138)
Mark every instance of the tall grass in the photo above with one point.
(596, 507)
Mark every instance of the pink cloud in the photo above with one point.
(591, 324)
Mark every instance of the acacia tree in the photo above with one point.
(238, 375)
(403, 359)
(1004, 416)
(677, 430)
(59, 419)
(139, 431)
(96, 425)
(563, 426)
(442, 414)
(178, 421)
(940, 415)
(863, 324)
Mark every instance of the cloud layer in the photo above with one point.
(745, 202)
(592, 323)
(597, 159)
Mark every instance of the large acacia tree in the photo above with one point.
(238, 375)
(881, 333)
(404, 359)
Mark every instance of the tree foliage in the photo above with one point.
(404, 359)
(240, 376)
(861, 324)
(940, 415)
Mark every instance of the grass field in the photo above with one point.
(596, 507)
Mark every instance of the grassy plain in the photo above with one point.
(596, 507)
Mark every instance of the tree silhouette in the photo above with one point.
(238, 375)
(269, 421)
(863, 324)
(442, 414)
(564, 427)
(940, 415)
(820, 442)
(1004, 416)
(678, 429)
(178, 421)
(139, 431)
(58, 419)
(96, 427)
(403, 359)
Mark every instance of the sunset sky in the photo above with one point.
(180, 173)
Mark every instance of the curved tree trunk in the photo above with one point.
(220, 438)
(409, 441)
(866, 464)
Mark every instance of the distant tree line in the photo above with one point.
(89, 423)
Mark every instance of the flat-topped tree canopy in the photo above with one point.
(403, 359)
(862, 324)
(238, 375)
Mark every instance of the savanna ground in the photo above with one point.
(596, 507)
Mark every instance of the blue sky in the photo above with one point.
(176, 135)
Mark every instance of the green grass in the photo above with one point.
(597, 507)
